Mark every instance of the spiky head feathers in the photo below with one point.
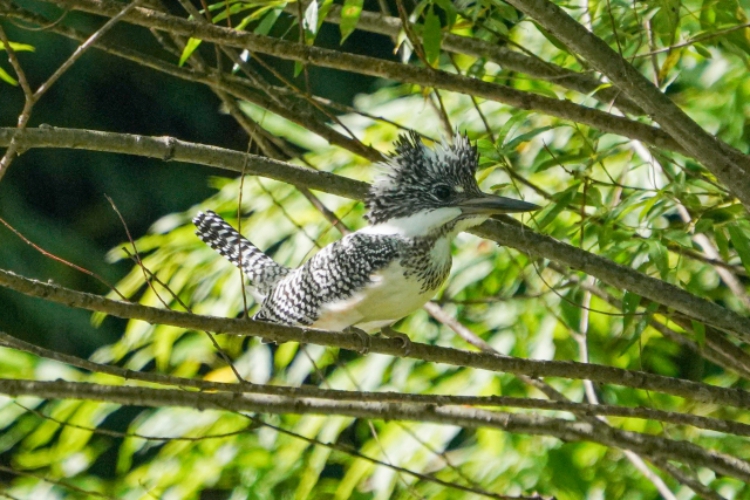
(418, 178)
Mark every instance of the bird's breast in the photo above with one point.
(392, 292)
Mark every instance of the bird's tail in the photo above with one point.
(261, 269)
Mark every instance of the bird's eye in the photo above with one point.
(442, 192)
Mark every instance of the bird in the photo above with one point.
(371, 278)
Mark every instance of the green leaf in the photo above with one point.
(310, 20)
(667, 20)
(722, 243)
(511, 145)
(562, 200)
(4, 76)
(298, 67)
(560, 160)
(679, 236)
(630, 303)
(264, 27)
(605, 235)
(18, 47)
(190, 47)
(659, 257)
(451, 13)
(350, 13)
(642, 324)
(432, 36)
(741, 245)
(700, 332)
(515, 119)
(700, 49)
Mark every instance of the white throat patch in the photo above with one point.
(420, 224)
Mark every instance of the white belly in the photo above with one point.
(389, 297)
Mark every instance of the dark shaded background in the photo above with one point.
(56, 198)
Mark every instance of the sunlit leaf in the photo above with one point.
(741, 244)
(19, 47)
(190, 47)
(432, 36)
(4, 76)
(630, 303)
(310, 19)
(350, 13)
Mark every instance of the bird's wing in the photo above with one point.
(333, 275)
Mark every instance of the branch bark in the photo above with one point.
(279, 333)
(385, 69)
(506, 58)
(729, 165)
(677, 418)
(504, 232)
(644, 444)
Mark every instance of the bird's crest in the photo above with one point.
(413, 171)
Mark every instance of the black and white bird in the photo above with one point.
(373, 277)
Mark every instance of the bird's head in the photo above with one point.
(428, 188)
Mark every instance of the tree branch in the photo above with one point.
(677, 418)
(504, 232)
(502, 55)
(279, 333)
(647, 445)
(730, 166)
(384, 69)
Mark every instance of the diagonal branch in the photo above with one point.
(279, 333)
(503, 232)
(677, 418)
(729, 165)
(385, 69)
(502, 55)
(471, 418)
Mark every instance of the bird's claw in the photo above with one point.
(363, 337)
(393, 334)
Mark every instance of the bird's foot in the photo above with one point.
(393, 334)
(363, 337)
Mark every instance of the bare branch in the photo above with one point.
(707, 423)
(385, 69)
(506, 232)
(502, 55)
(471, 418)
(729, 165)
(43, 88)
(394, 347)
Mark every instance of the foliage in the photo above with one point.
(655, 210)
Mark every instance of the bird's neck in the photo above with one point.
(433, 224)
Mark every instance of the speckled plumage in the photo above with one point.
(383, 272)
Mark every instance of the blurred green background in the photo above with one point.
(57, 198)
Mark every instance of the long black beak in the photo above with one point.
(491, 204)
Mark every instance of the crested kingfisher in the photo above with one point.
(375, 276)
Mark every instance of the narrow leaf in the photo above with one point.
(310, 21)
(659, 257)
(4, 76)
(18, 47)
(431, 37)
(700, 332)
(562, 201)
(349, 17)
(264, 27)
(741, 245)
(630, 302)
(190, 47)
